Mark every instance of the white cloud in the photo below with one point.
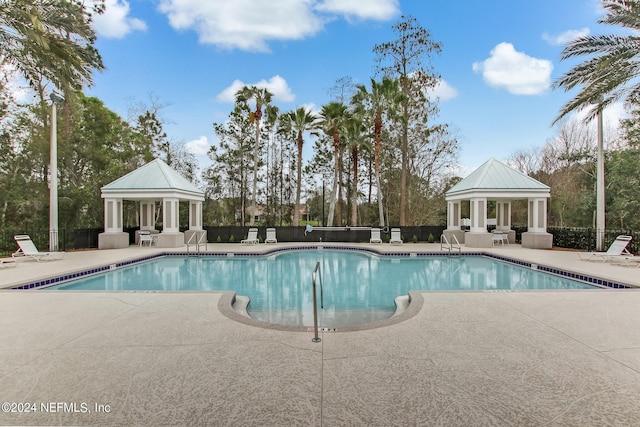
(443, 91)
(198, 147)
(565, 37)
(243, 24)
(115, 22)
(379, 10)
(276, 85)
(250, 24)
(517, 72)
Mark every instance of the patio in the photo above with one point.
(467, 358)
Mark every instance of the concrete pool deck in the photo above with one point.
(569, 357)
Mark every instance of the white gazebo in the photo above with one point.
(148, 184)
(495, 181)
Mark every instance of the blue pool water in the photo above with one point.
(357, 283)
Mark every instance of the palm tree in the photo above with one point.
(262, 98)
(354, 135)
(50, 42)
(384, 95)
(611, 72)
(334, 116)
(299, 121)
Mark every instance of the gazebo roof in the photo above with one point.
(494, 178)
(155, 179)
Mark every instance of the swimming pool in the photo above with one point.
(356, 287)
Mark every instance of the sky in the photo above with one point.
(498, 63)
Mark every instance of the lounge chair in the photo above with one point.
(29, 250)
(271, 236)
(627, 261)
(617, 249)
(252, 237)
(375, 236)
(396, 238)
(7, 262)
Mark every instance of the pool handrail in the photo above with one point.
(198, 242)
(444, 243)
(315, 302)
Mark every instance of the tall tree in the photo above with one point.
(262, 97)
(227, 177)
(334, 117)
(612, 69)
(355, 139)
(385, 97)
(300, 120)
(408, 59)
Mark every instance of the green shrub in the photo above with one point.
(431, 239)
(415, 239)
(231, 239)
(218, 240)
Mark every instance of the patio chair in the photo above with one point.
(145, 237)
(375, 236)
(252, 237)
(271, 236)
(498, 236)
(28, 249)
(396, 238)
(617, 249)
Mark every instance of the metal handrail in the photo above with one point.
(315, 301)
(198, 242)
(445, 242)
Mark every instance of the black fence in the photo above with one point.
(87, 238)
(338, 234)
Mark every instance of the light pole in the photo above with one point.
(56, 98)
(600, 219)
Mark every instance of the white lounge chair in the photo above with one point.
(396, 238)
(627, 261)
(375, 236)
(271, 236)
(7, 262)
(252, 237)
(29, 250)
(617, 250)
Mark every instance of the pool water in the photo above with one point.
(359, 284)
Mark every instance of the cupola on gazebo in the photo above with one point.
(151, 183)
(495, 181)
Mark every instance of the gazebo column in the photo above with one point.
(503, 219)
(454, 219)
(171, 237)
(536, 236)
(478, 215)
(113, 236)
(170, 215)
(195, 224)
(478, 237)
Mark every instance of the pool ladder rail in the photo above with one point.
(200, 241)
(316, 273)
(445, 244)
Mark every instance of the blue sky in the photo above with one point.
(498, 61)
